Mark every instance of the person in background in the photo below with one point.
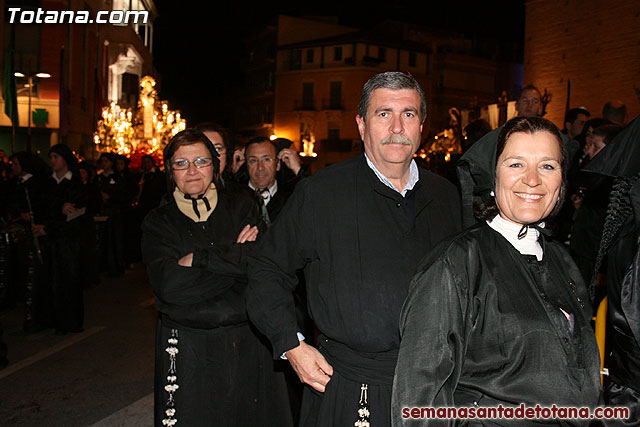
(264, 162)
(26, 203)
(65, 207)
(89, 256)
(114, 195)
(574, 121)
(130, 230)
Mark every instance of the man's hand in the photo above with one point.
(291, 159)
(68, 208)
(38, 230)
(238, 160)
(186, 261)
(248, 234)
(310, 365)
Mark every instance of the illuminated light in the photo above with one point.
(119, 130)
(18, 74)
(43, 75)
(447, 157)
(273, 137)
(436, 137)
(424, 156)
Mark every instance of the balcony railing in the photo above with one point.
(304, 105)
(342, 145)
(333, 104)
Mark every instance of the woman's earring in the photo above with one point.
(492, 194)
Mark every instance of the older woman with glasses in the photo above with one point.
(211, 366)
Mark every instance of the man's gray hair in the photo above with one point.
(394, 80)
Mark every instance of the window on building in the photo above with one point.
(296, 59)
(412, 59)
(130, 90)
(269, 81)
(333, 132)
(135, 13)
(337, 53)
(382, 53)
(335, 96)
(307, 96)
(309, 56)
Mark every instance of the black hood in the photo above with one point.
(620, 157)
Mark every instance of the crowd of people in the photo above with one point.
(68, 225)
(365, 291)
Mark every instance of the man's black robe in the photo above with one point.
(482, 326)
(359, 242)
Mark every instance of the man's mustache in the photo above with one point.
(396, 139)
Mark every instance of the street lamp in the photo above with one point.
(30, 85)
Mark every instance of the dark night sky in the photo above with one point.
(197, 49)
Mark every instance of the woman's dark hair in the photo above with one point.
(607, 132)
(529, 125)
(189, 137)
(227, 140)
(30, 163)
(593, 124)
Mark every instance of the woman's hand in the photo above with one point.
(186, 261)
(248, 234)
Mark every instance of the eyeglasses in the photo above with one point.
(200, 162)
(252, 161)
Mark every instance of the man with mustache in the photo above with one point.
(359, 229)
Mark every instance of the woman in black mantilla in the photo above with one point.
(211, 367)
(499, 314)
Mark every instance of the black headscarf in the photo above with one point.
(30, 163)
(621, 157)
(477, 173)
(66, 153)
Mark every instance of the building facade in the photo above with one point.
(307, 75)
(90, 64)
(591, 43)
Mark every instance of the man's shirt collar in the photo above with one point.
(413, 176)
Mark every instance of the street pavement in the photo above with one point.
(100, 377)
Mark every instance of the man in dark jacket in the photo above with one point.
(358, 229)
(264, 161)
